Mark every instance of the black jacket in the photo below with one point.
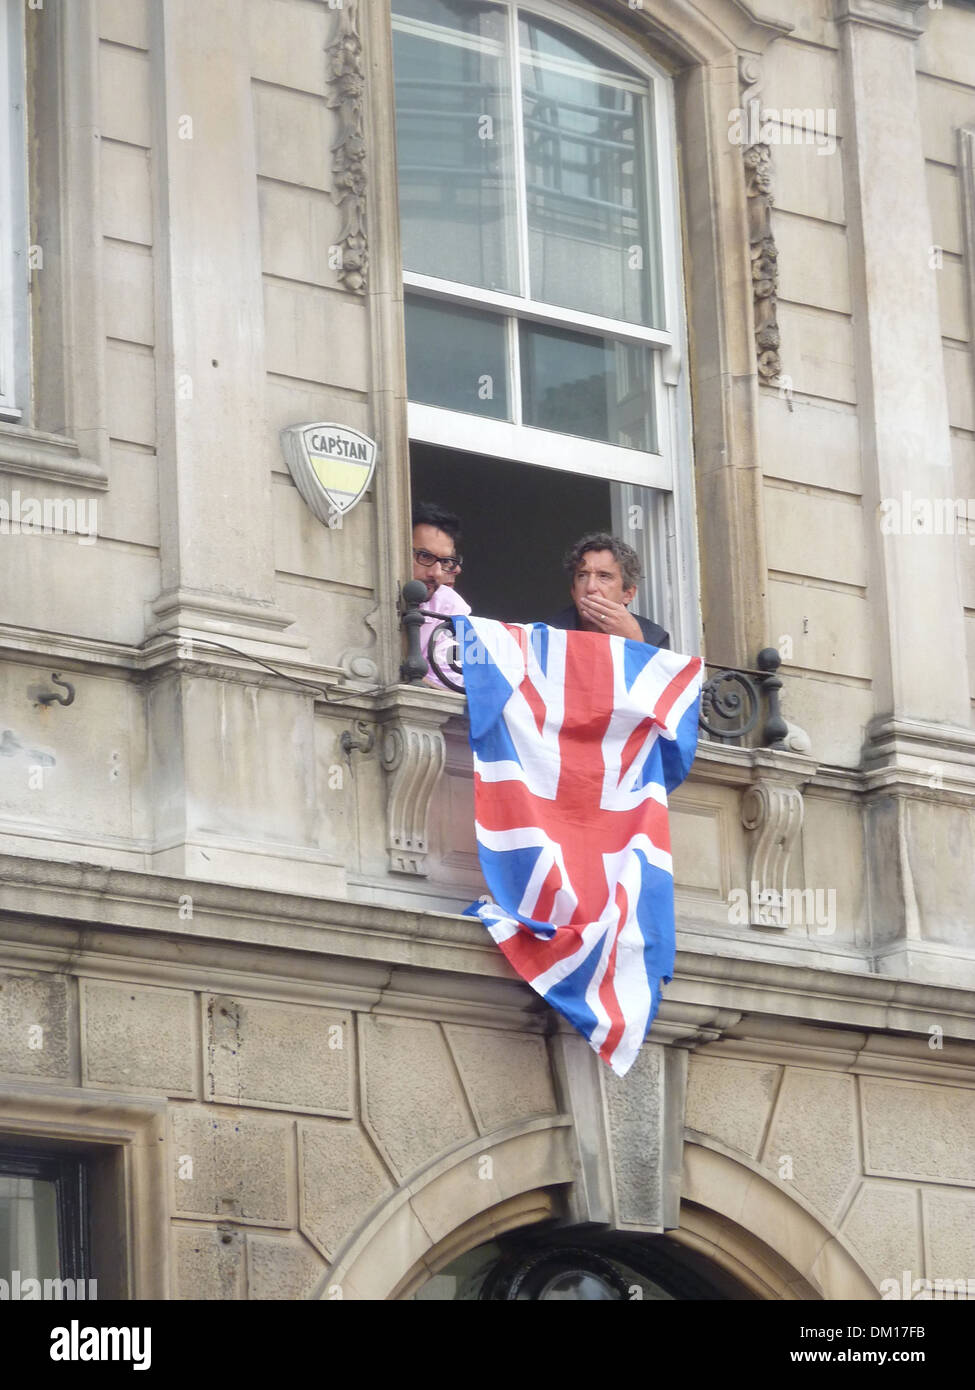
(653, 633)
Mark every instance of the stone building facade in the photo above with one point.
(239, 1010)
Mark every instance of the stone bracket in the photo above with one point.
(772, 813)
(413, 754)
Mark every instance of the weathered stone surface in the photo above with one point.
(798, 75)
(829, 630)
(126, 106)
(411, 1100)
(883, 1225)
(961, 390)
(506, 1075)
(815, 1128)
(817, 351)
(953, 300)
(944, 202)
(832, 853)
(303, 326)
(124, 21)
(34, 1027)
(949, 1235)
(785, 427)
(131, 395)
(340, 1181)
(806, 181)
(834, 716)
(813, 262)
(126, 193)
(700, 822)
(286, 42)
(128, 300)
(298, 225)
(635, 1105)
(915, 1131)
(135, 1038)
(241, 1165)
(294, 130)
(947, 43)
(207, 1263)
(281, 1268)
(253, 1046)
(938, 836)
(815, 536)
(730, 1101)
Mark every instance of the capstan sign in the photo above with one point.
(332, 466)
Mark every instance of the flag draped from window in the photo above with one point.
(578, 738)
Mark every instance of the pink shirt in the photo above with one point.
(445, 601)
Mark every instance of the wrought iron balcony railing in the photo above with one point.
(732, 698)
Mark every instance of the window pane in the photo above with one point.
(592, 387)
(456, 358)
(28, 1228)
(455, 142)
(586, 168)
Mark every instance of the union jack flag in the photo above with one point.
(578, 738)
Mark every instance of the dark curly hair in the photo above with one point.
(624, 554)
(429, 514)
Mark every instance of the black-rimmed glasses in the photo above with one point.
(449, 563)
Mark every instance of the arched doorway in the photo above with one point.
(573, 1265)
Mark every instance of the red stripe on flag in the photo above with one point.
(534, 702)
(545, 903)
(533, 955)
(632, 747)
(607, 990)
(676, 687)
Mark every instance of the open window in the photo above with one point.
(543, 321)
(44, 1227)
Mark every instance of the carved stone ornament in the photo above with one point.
(772, 812)
(413, 757)
(359, 663)
(762, 249)
(346, 73)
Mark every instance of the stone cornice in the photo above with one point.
(915, 757)
(905, 17)
(817, 995)
(121, 924)
(688, 30)
(791, 1042)
(54, 458)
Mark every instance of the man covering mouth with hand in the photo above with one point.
(603, 573)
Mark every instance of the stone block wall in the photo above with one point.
(885, 1163)
(289, 1126)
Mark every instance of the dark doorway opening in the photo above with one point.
(518, 520)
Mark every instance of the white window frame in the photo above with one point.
(668, 550)
(14, 301)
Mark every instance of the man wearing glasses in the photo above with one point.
(435, 536)
(436, 533)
